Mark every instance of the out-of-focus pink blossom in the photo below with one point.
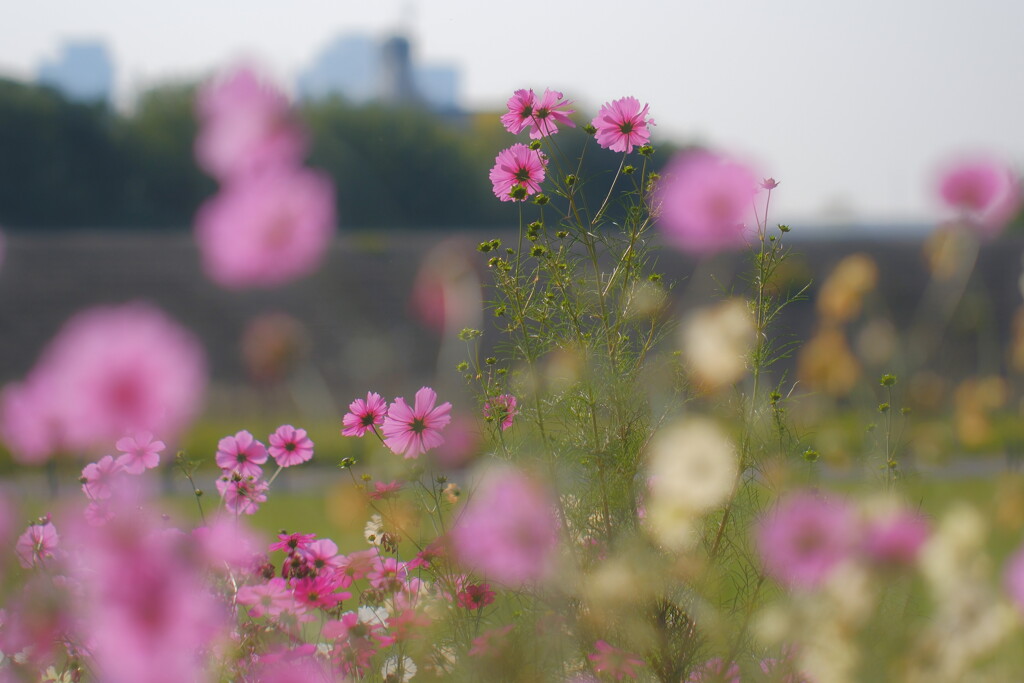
(702, 200)
(109, 370)
(242, 495)
(715, 671)
(139, 452)
(895, 539)
(502, 409)
(290, 446)
(299, 666)
(614, 662)
(805, 538)
(98, 477)
(1014, 578)
(508, 530)
(271, 598)
(489, 643)
(517, 167)
(37, 545)
(475, 596)
(228, 542)
(984, 191)
(410, 432)
(245, 127)
(622, 124)
(266, 230)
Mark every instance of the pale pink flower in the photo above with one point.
(266, 230)
(291, 543)
(139, 452)
(715, 671)
(110, 370)
(614, 662)
(37, 545)
(241, 453)
(508, 531)
(895, 539)
(98, 512)
(502, 409)
(363, 415)
(517, 166)
(543, 116)
(355, 565)
(1014, 578)
(701, 202)
(489, 643)
(245, 127)
(803, 539)
(622, 124)
(387, 574)
(321, 553)
(228, 542)
(242, 495)
(301, 667)
(98, 476)
(984, 191)
(384, 491)
(412, 431)
(290, 446)
(271, 598)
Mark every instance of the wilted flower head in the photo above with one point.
(984, 191)
(109, 371)
(805, 538)
(508, 530)
(703, 200)
(622, 124)
(266, 230)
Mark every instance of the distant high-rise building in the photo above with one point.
(363, 69)
(83, 71)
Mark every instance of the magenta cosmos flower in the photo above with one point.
(622, 124)
(1014, 578)
(805, 538)
(984, 191)
(241, 453)
(508, 531)
(502, 409)
(412, 431)
(542, 117)
(614, 662)
(895, 540)
(364, 415)
(290, 446)
(97, 477)
(701, 202)
(36, 545)
(266, 230)
(246, 126)
(109, 371)
(139, 452)
(517, 166)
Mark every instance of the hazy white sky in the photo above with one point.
(852, 105)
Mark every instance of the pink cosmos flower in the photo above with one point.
(715, 671)
(241, 453)
(517, 166)
(300, 667)
(805, 538)
(702, 200)
(501, 408)
(508, 531)
(245, 127)
(271, 598)
(292, 542)
(1014, 578)
(109, 370)
(242, 495)
(383, 491)
(895, 540)
(322, 553)
(228, 543)
(290, 446)
(622, 124)
(319, 591)
(98, 512)
(616, 663)
(362, 415)
(356, 565)
(266, 230)
(139, 452)
(476, 596)
(490, 642)
(98, 476)
(524, 111)
(37, 545)
(412, 431)
(985, 191)
(387, 574)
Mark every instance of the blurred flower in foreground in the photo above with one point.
(825, 363)
(246, 127)
(273, 344)
(502, 409)
(692, 468)
(984, 191)
(622, 124)
(842, 293)
(508, 530)
(266, 230)
(805, 538)
(716, 342)
(614, 662)
(716, 671)
(108, 372)
(702, 201)
(1015, 578)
